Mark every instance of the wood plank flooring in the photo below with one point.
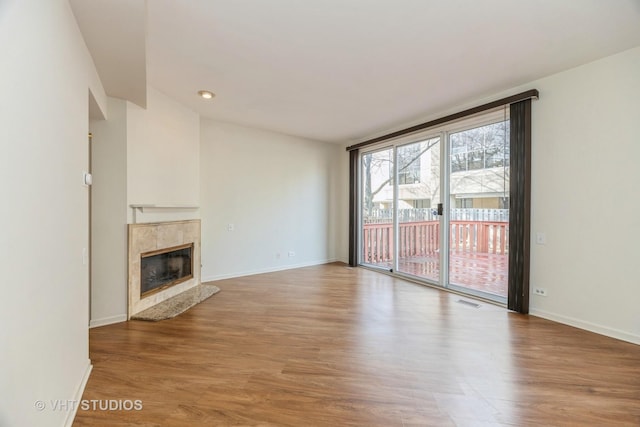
(338, 346)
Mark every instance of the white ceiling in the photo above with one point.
(343, 70)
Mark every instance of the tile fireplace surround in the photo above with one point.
(155, 236)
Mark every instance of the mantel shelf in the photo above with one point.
(150, 206)
(155, 207)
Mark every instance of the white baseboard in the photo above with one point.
(265, 270)
(588, 326)
(77, 397)
(107, 320)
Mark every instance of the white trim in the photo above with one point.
(78, 395)
(394, 216)
(588, 326)
(267, 270)
(94, 323)
(359, 215)
(445, 218)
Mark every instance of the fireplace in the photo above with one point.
(164, 261)
(164, 268)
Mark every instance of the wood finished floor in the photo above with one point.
(338, 346)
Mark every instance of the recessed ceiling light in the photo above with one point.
(206, 94)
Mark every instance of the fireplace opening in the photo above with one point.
(165, 268)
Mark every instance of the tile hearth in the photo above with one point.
(178, 304)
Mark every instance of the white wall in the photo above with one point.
(163, 150)
(46, 75)
(109, 216)
(276, 189)
(585, 196)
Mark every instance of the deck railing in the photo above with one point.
(422, 239)
(383, 216)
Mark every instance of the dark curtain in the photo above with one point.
(353, 208)
(519, 206)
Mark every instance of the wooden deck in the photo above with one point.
(481, 272)
(337, 346)
(478, 260)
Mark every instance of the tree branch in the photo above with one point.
(377, 190)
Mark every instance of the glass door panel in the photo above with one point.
(479, 210)
(377, 237)
(418, 250)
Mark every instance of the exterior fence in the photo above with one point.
(377, 216)
(422, 238)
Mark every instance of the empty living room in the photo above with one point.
(335, 213)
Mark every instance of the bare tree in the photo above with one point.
(483, 149)
(478, 156)
(372, 164)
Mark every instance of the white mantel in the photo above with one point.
(154, 207)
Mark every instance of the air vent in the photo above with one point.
(469, 303)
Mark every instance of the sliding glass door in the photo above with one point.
(479, 210)
(377, 209)
(436, 208)
(418, 201)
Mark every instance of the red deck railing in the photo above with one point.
(423, 239)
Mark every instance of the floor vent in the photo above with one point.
(469, 303)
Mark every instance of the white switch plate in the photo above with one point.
(292, 254)
(541, 238)
(231, 227)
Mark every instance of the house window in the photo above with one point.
(464, 203)
(421, 203)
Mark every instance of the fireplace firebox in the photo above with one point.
(164, 268)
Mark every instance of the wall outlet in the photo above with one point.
(540, 291)
(292, 254)
(231, 227)
(277, 255)
(541, 238)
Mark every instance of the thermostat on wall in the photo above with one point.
(87, 179)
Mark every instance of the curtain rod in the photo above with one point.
(533, 93)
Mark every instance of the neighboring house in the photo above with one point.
(478, 161)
